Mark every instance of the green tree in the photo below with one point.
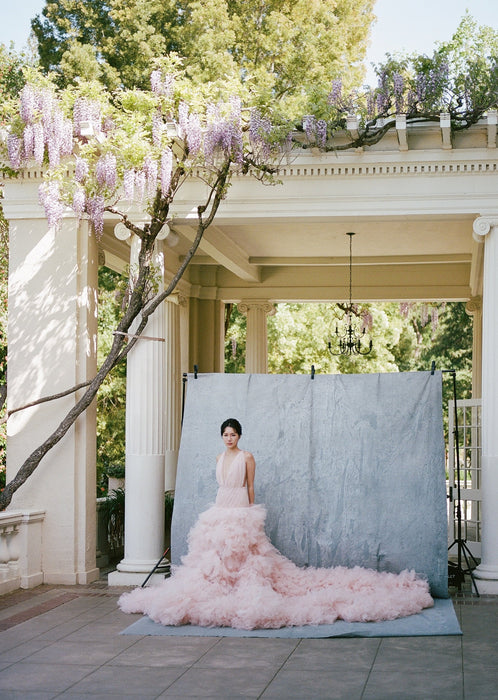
(278, 49)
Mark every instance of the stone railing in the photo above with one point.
(20, 550)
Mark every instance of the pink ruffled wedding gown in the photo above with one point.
(232, 576)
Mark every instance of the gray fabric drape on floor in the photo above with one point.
(350, 467)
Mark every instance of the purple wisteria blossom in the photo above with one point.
(105, 171)
(194, 134)
(129, 184)
(405, 307)
(162, 85)
(38, 142)
(150, 169)
(309, 126)
(398, 85)
(49, 194)
(157, 129)
(260, 129)
(27, 103)
(321, 133)
(315, 130)
(223, 133)
(14, 150)
(334, 97)
(29, 141)
(95, 208)
(166, 171)
(366, 321)
(81, 169)
(87, 111)
(140, 184)
(182, 119)
(79, 201)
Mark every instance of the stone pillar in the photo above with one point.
(485, 228)
(52, 336)
(172, 388)
(206, 335)
(474, 309)
(145, 450)
(257, 336)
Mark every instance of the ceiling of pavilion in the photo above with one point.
(412, 213)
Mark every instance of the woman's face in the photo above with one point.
(230, 437)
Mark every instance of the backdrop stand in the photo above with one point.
(456, 572)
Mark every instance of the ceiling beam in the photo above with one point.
(340, 261)
(217, 245)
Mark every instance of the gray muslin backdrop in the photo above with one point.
(350, 467)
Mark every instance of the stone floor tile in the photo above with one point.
(164, 651)
(419, 654)
(247, 652)
(24, 676)
(480, 686)
(93, 632)
(408, 684)
(292, 683)
(63, 629)
(334, 654)
(22, 651)
(78, 653)
(221, 683)
(135, 681)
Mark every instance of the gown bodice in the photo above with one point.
(232, 492)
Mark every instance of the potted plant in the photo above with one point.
(115, 477)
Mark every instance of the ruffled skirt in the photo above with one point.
(232, 576)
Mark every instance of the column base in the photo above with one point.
(487, 579)
(128, 578)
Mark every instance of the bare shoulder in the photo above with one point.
(248, 456)
(219, 456)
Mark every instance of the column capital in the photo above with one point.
(474, 305)
(177, 298)
(482, 226)
(256, 305)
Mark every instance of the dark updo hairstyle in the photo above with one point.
(232, 423)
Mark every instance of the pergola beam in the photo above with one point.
(218, 246)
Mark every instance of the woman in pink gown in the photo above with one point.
(233, 576)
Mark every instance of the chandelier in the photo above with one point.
(351, 339)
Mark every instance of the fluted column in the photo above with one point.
(257, 335)
(172, 388)
(485, 229)
(145, 449)
(474, 309)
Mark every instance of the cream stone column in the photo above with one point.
(486, 228)
(145, 449)
(172, 387)
(474, 309)
(256, 311)
(52, 336)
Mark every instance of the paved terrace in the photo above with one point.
(65, 642)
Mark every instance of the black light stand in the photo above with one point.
(156, 567)
(456, 572)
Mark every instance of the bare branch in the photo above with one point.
(44, 399)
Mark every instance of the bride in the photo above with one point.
(233, 576)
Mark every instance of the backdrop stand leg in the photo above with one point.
(456, 570)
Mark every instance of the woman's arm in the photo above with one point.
(250, 471)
